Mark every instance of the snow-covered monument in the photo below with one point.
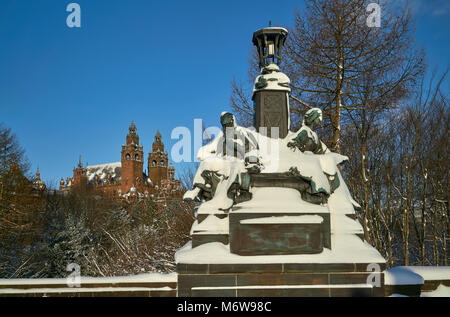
(275, 216)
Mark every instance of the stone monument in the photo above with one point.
(275, 217)
(271, 89)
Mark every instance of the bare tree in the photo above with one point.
(406, 194)
(335, 61)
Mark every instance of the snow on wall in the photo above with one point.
(441, 291)
(306, 219)
(402, 275)
(341, 224)
(274, 199)
(344, 251)
(413, 275)
(145, 277)
(70, 290)
(432, 273)
(211, 224)
(409, 275)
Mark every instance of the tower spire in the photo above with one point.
(132, 160)
(132, 137)
(132, 128)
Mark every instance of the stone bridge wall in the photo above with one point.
(142, 285)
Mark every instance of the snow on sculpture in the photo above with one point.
(222, 177)
(307, 139)
(237, 152)
(273, 201)
(241, 160)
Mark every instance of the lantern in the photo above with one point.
(269, 42)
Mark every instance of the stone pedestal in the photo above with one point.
(224, 274)
(271, 111)
(278, 247)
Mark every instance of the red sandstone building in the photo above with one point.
(126, 179)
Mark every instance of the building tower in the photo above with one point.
(157, 161)
(80, 176)
(132, 161)
(38, 183)
(171, 172)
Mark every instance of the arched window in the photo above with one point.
(136, 156)
(162, 163)
(128, 156)
(154, 163)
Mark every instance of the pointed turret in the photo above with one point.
(157, 161)
(80, 176)
(38, 183)
(132, 137)
(158, 146)
(132, 128)
(132, 160)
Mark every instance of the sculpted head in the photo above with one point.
(313, 118)
(227, 120)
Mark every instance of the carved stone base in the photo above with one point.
(277, 280)
(271, 110)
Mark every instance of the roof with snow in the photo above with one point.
(114, 169)
(102, 170)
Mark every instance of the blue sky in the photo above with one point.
(67, 92)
